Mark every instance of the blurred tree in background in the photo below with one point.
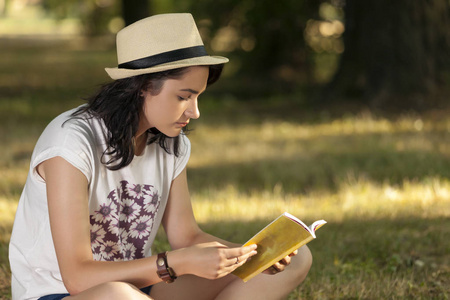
(133, 10)
(265, 40)
(95, 15)
(382, 53)
(397, 53)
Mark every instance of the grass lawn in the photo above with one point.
(381, 182)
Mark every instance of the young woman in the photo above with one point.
(104, 176)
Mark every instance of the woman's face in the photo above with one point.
(176, 104)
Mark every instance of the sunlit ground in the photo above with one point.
(358, 166)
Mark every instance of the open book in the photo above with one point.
(277, 240)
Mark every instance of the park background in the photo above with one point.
(329, 109)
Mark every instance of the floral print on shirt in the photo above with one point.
(121, 226)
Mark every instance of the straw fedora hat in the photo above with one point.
(160, 43)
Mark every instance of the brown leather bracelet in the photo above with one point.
(164, 272)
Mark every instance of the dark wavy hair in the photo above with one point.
(119, 104)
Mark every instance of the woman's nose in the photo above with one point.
(192, 111)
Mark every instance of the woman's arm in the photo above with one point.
(198, 252)
(67, 196)
(179, 222)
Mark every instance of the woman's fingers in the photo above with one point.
(238, 256)
(281, 265)
(286, 260)
(215, 260)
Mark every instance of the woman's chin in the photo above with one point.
(172, 133)
(169, 132)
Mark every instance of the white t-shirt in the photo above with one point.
(126, 206)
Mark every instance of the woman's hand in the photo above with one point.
(281, 265)
(209, 260)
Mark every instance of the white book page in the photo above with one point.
(311, 229)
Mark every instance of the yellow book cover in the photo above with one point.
(277, 240)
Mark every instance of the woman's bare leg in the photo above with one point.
(272, 286)
(230, 287)
(111, 291)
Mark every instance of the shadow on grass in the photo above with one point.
(337, 159)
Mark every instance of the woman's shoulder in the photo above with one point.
(69, 137)
(68, 121)
(66, 127)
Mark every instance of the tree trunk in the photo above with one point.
(134, 10)
(396, 53)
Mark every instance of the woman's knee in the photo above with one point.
(116, 291)
(302, 264)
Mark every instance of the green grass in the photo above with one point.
(381, 182)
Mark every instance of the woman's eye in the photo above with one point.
(183, 98)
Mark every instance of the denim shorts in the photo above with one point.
(61, 296)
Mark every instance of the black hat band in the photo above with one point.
(165, 57)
